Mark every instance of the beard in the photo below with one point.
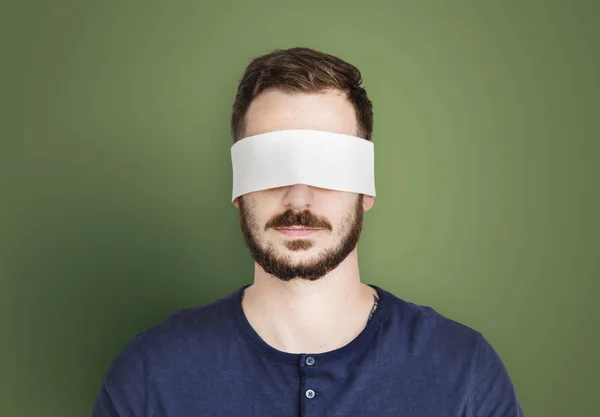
(281, 266)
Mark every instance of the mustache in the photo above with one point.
(304, 218)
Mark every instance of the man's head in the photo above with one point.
(300, 231)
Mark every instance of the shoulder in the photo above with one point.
(422, 328)
(174, 344)
(452, 349)
(197, 325)
(183, 334)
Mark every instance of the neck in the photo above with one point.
(302, 316)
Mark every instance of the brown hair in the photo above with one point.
(301, 70)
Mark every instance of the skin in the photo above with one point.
(295, 307)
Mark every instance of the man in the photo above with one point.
(307, 338)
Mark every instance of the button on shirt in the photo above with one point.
(208, 361)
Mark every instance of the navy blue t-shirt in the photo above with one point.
(208, 361)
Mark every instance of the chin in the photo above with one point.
(299, 253)
(297, 257)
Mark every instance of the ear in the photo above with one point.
(236, 203)
(368, 202)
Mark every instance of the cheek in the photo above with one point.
(259, 220)
(258, 223)
(253, 207)
(342, 229)
(345, 222)
(337, 223)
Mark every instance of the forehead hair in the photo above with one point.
(301, 70)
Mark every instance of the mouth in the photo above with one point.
(297, 231)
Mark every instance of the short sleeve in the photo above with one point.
(122, 393)
(493, 392)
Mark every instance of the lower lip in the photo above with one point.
(297, 232)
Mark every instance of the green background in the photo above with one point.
(115, 176)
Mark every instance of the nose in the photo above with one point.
(298, 197)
